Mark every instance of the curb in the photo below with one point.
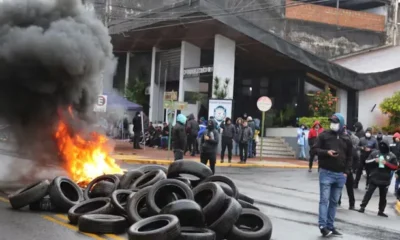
(237, 165)
(397, 207)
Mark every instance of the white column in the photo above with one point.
(190, 58)
(127, 68)
(343, 102)
(224, 62)
(153, 87)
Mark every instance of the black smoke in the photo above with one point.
(52, 53)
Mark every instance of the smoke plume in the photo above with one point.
(52, 53)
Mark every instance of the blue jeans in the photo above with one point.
(250, 147)
(302, 151)
(236, 148)
(164, 142)
(330, 189)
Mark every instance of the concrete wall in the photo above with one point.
(368, 98)
(343, 102)
(224, 62)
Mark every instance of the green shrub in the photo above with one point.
(309, 121)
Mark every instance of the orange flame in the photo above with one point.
(85, 159)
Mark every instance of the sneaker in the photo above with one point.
(336, 232)
(309, 170)
(325, 232)
(361, 210)
(381, 214)
(222, 161)
(352, 208)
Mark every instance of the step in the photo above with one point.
(266, 153)
(272, 140)
(281, 144)
(272, 148)
(276, 156)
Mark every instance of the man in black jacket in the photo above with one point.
(137, 129)
(367, 144)
(209, 145)
(192, 129)
(179, 137)
(228, 133)
(381, 163)
(359, 129)
(334, 150)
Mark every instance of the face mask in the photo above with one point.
(368, 135)
(334, 127)
(316, 127)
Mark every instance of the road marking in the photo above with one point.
(63, 217)
(4, 200)
(71, 227)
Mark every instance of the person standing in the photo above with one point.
(228, 133)
(244, 135)
(334, 150)
(192, 129)
(315, 130)
(359, 130)
(209, 145)
(137, 129)
(381, 164)
(367, 145)
(179, 137)
(301, 142)
(164, 136)
(252, 126)
(395, 149)
(238, 125)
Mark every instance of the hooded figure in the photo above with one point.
(367, 144)
(379, 137)
(252, 126)
(228, 133)
(192, 129)
(179, 137)
(334, 150)
(314, 132)
(209, 145)
(359, 129)
(395, 149)
(381, 164)
(137, 129)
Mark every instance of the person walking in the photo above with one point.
(301, 142)
(228, 133)
(192, 129)
(315, 130)
(209, 145)
(238, 125)
(381, 164)
(251, 125)
(179, 137)
(137, 129)
(244, 135)
(367, 145)
(334, 150)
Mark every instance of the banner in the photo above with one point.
(220, 109)
(101, 105)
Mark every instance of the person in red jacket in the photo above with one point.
(315, 130)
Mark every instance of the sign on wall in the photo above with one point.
(101, 105)
(220, 109)
(192, 72)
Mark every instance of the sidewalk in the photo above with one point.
(125, 152)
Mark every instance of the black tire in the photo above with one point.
(160, 227)
(64, 193)
(191, 233)
(228, 191)
(119, 200)
(189, 167)
(102, 224)
(185, 180)
(227, 181)
(229, 214)
(188, 212)
(258, 226)
(160, 194)
(148, 179)
(109, 178)
(149, 168)
(102, 189)
(211, 199)
(119, 176)
(137, 201)
(28, 195)
(129, 178)
(91, 206)
(245, 204)
(43, 204)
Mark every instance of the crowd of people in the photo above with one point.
(341, 155)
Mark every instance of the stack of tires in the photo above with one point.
(153, 202)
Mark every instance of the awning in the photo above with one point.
(115, 100)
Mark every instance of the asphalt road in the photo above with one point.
(289, 197)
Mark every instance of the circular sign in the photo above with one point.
(264, 104)
(101, 101)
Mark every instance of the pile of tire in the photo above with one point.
(153, 202)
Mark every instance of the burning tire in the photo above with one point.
(119, 200)
(32, 193)
(102, 224)
(211, 199)
(245, 204)
(189, 167)
(43, 204)
(129, 178)
(136, 205)
(148, 179)
(191, 233)
(91, 206)
(228, 217)
(226, 180)
(251, 224)
(188, 212)
(149, 168)
(107, 190)
(160, 227)
(64, 193)
(161, 194)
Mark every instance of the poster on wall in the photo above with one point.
(220, 109)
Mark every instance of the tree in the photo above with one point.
(135, 91)
(323, 104)
(221, 93)
(391, 106)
